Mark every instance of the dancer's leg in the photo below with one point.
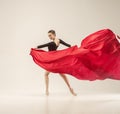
(67, 82)
(47, 82)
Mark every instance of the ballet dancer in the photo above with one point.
(53, 45)
(97, 57)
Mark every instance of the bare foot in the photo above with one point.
(72, 91)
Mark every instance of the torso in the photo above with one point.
(54, 45)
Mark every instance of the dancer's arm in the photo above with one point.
(43, 45)
(64, 43)
(118, 37)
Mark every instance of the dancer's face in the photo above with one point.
(51, 36)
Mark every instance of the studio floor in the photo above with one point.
(60, 103)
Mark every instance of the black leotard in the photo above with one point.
(52, 45)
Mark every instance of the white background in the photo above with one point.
(25, 23)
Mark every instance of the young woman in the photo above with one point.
(97, 57)
(53, 45)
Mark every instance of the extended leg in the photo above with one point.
(67, 82)
(47, 82)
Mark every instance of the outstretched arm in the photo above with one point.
(64, 43)
(43, 45)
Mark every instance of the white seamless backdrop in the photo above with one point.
(25, 23)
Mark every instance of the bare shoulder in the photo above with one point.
(58, 40)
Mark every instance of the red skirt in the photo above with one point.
(98, 57)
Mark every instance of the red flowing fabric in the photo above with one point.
(98, 57)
